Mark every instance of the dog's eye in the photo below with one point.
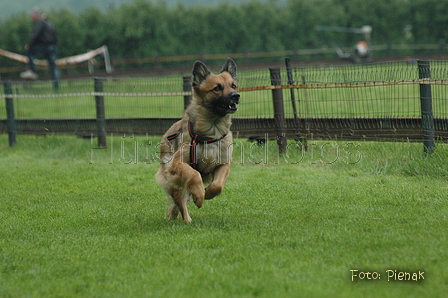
(218, 88)
(233, 86)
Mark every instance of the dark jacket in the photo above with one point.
(43, 33)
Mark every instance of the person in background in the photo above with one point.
(43, 40)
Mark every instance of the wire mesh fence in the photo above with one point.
(367, 92)
(376, 90)
(126, 98)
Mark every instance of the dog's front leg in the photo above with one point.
(189, 181)
(220, 176)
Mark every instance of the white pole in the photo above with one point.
(107, 60)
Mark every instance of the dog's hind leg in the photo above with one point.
(180, 205)
(173, 211)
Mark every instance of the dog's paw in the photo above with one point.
(197, 192)
(199, 199)
(198, 196)
(187, 219)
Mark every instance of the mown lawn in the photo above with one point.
(82, 222)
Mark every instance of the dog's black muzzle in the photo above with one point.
(234, 99)
(225, 104)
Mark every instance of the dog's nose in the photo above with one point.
(235, 97)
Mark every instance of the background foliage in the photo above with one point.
(8, 8)
(144, 29)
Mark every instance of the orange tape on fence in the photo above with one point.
(346, 85)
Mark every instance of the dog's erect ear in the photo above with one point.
(230, 67)
(200, 73)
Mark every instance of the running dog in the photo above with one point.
(197, 150)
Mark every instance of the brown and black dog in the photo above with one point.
(197, 150)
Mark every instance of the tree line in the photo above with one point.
(145, 29)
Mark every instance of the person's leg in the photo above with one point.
(51, 57)
(31, 53)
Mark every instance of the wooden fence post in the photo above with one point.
(187, 88)
(10, 121)
(424, 71)
(100, 113)
(279, 110)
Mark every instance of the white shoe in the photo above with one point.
(30, 75)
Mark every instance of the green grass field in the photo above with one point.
(83, 222)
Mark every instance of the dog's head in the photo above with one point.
(217, 93)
